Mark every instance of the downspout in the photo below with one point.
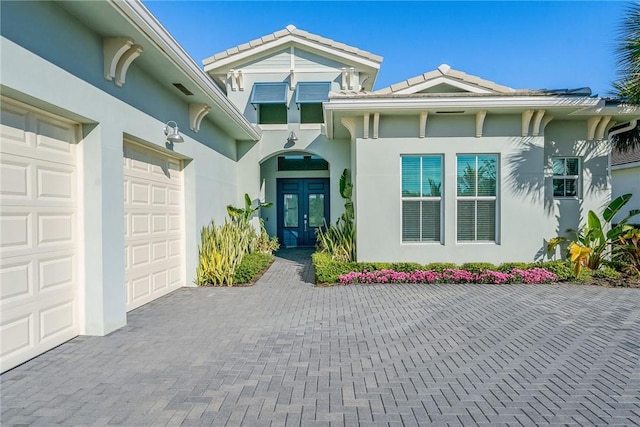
(632, 124)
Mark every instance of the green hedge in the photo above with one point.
(328, 270)
(251, 266)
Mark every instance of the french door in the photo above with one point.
(303, 206)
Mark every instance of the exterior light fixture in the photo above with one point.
(172, 133)
(292, 137)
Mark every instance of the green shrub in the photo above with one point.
(616, 264)
(605, 272)
(508, 266)
(251, 266)
(221, 250)
(327, 270)
(405, 267)
(478, 267)
(441, 266)
(560, 268)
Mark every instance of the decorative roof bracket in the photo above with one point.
(592, 123)
(237, 79)
(480, 116)
(602, 126)
(537, 120)
(118, 54)
(350, 124)
(423, 124)
(376, 125)
(526, 120)
(365, 130)
(196, 114)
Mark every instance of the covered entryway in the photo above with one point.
(39, 233)
(153, 206)
(303, 206)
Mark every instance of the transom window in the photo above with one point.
(421, 198)
(477, 177)
(566, 176)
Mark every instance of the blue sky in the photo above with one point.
(519, 44)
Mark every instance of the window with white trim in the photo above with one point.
(476, 197)
(421, 198)
(566, 176)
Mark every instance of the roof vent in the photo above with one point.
(183, 89)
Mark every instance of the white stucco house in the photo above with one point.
(101, 212)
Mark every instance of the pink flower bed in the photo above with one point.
(530, 276)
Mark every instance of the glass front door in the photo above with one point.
(303, 206)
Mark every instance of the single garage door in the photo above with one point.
(153, 209)
(38, 232)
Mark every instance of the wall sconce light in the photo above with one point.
(172, 133)
(292, 137)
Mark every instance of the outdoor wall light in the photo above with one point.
(172, 133)
(292, 137)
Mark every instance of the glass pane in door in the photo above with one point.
(316, 210)
(290, 210)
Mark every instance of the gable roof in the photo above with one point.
(288, 34)
(444, 74)
(292, 36)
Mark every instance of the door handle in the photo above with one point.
(305, 222)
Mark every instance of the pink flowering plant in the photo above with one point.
(529, 276)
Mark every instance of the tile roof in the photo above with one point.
(630, 156)
(446, 70)
(293, 31)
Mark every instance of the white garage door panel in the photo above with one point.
(38, 233)
(153, 225)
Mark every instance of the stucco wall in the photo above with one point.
(626, 180)
(527, 212)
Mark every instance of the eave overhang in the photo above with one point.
(165, 58)
(351, 105)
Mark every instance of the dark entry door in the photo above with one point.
(303, 206)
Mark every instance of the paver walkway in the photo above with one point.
(284, 352)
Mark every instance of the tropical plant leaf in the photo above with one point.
(614, 207)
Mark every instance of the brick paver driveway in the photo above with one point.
(286, 353)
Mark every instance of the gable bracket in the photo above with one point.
(480, 116)
(423, 124)
(196, 114)
(348, 77)
(237, 79)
